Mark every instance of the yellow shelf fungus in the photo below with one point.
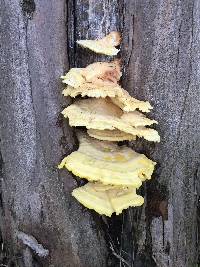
(73, 78)
(105, 46)
(109, 114)
(103, 72)
(110, 135)
(107, 199)
(100, 79)
(118, 96)
(108, 163)
(91, 198)
(102, 114)
(124, 198)
(98, 74)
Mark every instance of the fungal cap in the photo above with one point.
(73, 77)
(118, 95)
(93, 199)
(108, 163)
(102, 114)
(103, 73)
(111, 135)
(128, 103)
(124, 198)
(107, 199)
(105, 46)
(96, 74)
(136, 119)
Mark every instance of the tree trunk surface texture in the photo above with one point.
(41, 224)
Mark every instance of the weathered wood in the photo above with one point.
(164, 68)
(161, 55)
(36, 197)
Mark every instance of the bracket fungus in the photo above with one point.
(101, 114)
(105, 46)
(98, 74)
(108, 163)
(110, 115)
(110, 135)
(118, 96)
(106, 200)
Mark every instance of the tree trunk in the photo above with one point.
(41, 224)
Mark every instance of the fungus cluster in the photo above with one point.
(110, 115)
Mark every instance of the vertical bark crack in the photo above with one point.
(28, 8)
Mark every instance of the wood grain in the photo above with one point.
(36, 197)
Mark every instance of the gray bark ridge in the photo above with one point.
(163, 67)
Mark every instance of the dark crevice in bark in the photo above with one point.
(157, 206)
(4, 254)
(67, 15)
(75, 33)
(28, 8)
(1, 178)
(113, 234)
(132, 45)
(157, 201)
(71, 32)
(198, 229)
(197, 211)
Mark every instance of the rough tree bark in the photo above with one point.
(161, 63)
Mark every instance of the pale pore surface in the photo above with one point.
(102, 114)
(118, 95)
(107, 199)
(108, 163)
(105, 45)
(110, 135)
